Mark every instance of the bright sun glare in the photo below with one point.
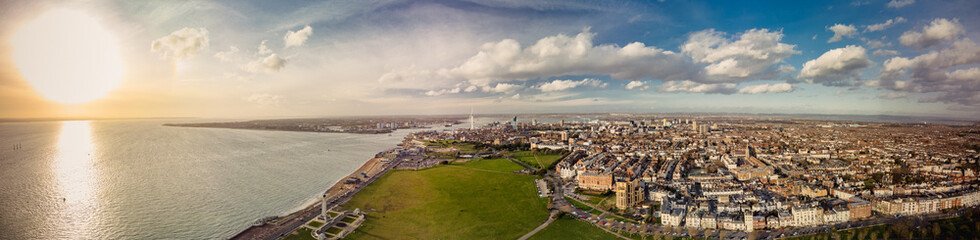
(68, 57)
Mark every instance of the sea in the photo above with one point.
(138, 179)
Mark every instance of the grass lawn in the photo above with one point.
(316, 224)
(526, 157)
(334, 230)
(348, 219)
(449, 203)
(549, 159)
(495, 164)
(304, 234)
(569, 228)
(577, 204)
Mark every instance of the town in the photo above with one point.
(751, 175)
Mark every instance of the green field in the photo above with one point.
(316, 224)
(549, 159)
(567, 227)
(494, 164)
(449, 203)
(304, 234)
(526, 157)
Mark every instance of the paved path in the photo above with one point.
(539, 160)
(519, 162)
(551, 218)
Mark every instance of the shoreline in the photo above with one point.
(268, 226)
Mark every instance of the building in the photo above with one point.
(591, 180)
(807, 215)
(629, 193)
(859, 210)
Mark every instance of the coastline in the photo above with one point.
(268, 227)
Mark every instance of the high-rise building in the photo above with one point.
(629, 193)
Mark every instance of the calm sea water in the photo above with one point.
(136, 179)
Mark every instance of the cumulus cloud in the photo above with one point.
(265, 99)
(471, 89)
(297, 38)
(181, 44)
(836, 66)
(938, 30)
(876, 43)
(270, 64)
(951, 73)
(638, 85)
(752, 53)
(841, 31)
(441, 92)
(225, 56)
(767, 88)
(263, 49)
(695, 87)
(503, 88)
(884, 53)
(884, 25)
(562, 85)
(558, 55)
(899, 3)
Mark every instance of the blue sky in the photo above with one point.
(270, 58)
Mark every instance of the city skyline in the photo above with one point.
(257, 59)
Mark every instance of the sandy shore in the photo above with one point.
(265, 231)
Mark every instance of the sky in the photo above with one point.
(254, 59)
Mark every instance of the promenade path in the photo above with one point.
(551, 218)
(519, 162)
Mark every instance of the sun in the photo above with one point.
(68, 57)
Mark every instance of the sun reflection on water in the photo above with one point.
(73, 166)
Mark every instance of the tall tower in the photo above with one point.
(471, 119)
(695, 127)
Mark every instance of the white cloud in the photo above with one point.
(767, 88)
(441, 92)
(876, 43)
(297, 38)
(558, 55)
(893, 95)
(638, 85)
(884, 53)
(471, 88)
(503, 88)
(270, 64)
(263, 49)
(562, 85)
(836, 66)
(938, 30)
(226, 56)
(181, 44)
(950, 72)
(899, 3)
(695, 87)
(516, 96)
(265, 99)
(884, 25)
(841, 31)
(751, 54)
